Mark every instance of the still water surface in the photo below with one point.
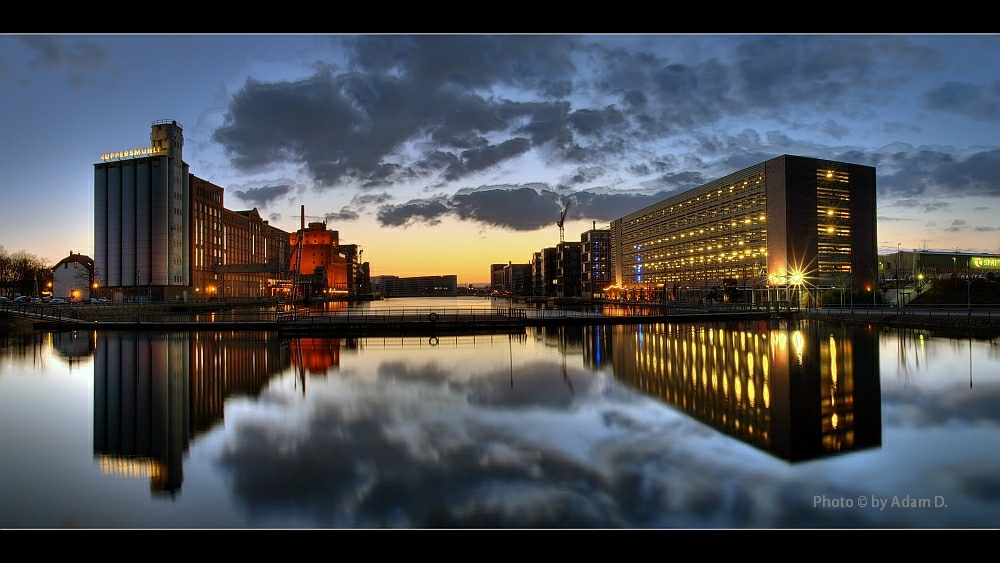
(736, 425)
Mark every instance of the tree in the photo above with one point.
(23, 273)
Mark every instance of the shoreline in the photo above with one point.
(985, 327)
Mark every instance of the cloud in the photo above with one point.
(940, 172)
(584, 174)
(262, 196)
(274, 217)
(957, 225)
(363, 200)
(834, 129)
(780, 71)
(345, 214)
(427, 211)
(970, 100)
(928, 207)
(442, 108)
(518, 208)
(52, 52)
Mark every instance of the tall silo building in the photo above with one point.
(142, 218)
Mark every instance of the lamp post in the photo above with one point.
(899, 302)
(968, 285)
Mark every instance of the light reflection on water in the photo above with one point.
(625, 426)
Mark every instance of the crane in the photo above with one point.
(562, 219)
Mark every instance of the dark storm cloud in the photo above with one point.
(363, 200)
(941, 173)
(684, 180)
(274, 217)
(517, 208)
(781, 71)
(342, 125)
(262, 196)
(481, 158)
(442, 108)
(971, 100)
(585, 174)
(427, 211)
(607, 207)
(345, 214)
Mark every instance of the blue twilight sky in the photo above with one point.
(443, 154)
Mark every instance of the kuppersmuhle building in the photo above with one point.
(789, 222)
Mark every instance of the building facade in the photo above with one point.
(789, 221)
(418, 286)
(142, 217)
(595, 262)
(162, 233)
(73, 276)
(568, 279)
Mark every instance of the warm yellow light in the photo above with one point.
(829, 174)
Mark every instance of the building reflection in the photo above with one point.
(798, 392)
(74, 346)
(315, 356)
(154, 392)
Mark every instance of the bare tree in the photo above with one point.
(6, 272)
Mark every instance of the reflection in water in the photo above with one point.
(798, 394)
(533, 430)
(155, 391)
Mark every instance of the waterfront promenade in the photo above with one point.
(483, 319)
(404, 320)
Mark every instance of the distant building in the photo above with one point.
(517, 279)
(73, 276)
(906, 264)
(595, 262)
(496, 276)
(568, 280)
(320, 264)
(549, 272)
(419, 286)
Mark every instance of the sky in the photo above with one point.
(442, 154)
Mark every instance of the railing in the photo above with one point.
(146, 313)
(987, 310)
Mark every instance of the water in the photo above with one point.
(737, 425)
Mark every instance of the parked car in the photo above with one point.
(22, 299)
(58, 301)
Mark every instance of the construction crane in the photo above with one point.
(562, 218)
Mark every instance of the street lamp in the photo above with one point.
(899, 302)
